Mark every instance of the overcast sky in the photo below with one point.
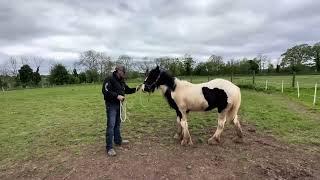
(232, 29)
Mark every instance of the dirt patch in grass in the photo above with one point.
(260, 157)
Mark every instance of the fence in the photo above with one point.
(301, 90)
(305, 86)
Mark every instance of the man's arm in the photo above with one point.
(129, 90)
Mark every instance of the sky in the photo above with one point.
(233, 29)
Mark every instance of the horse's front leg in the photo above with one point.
(186, 138)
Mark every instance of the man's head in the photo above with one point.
(120, 71)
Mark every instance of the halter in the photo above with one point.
(155, 82)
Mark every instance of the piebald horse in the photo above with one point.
(184, 96)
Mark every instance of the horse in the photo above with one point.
(184, 97)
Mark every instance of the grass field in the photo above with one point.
(41, 123)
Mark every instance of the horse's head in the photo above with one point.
(152, 80)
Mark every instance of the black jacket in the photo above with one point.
(113, 86)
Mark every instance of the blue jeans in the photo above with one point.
(113, 125)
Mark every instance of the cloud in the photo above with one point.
(232, 29)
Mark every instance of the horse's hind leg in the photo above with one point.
(178, 134)
(222, 118)
(238, 129)
(232, 116)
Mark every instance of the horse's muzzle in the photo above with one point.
(144, 88)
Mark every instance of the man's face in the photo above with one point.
(121, 73)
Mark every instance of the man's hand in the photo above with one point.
(120, 98)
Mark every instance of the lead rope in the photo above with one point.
(123, 111)
(123, 108)
(141, 100)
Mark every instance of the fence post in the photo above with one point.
(282, 86)
(253, 77)
(293, 78)
(266, 84)
(232, 77)
(298, 89)
(315, 94)
(2, 89)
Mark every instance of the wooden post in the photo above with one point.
(298, 89)
(282, 86)
(293, 78)
(231, 76)
(253, 77)
(2, 89)
(266, 84)
(315, 94)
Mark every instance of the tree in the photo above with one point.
(105, 65)
(3, 84)
(126, 61)
(92, 76)
(201, 69)
(59, 75)
(295, 57)
(261, 60)
(188, 64)
(36, 78)
(316, 55)
(82, 77)
(89, 59)
(278, 68)
(25, 75)
(75, 73)
(13, 66)
(270, 68)
(253, 66)
(145, 65)
(215, 64)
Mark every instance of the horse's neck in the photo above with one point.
(177, 83)
(182, 84)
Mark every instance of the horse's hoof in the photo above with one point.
(213, 141)
(238, 140)
(178, 136)
(184, 142)
(190, 143)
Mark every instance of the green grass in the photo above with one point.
(286, 119)
(41, 123)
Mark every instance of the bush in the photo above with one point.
(59, 75)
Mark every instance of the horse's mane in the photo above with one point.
(173, 81)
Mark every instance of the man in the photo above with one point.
(114, 89)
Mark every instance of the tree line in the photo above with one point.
(94, 66)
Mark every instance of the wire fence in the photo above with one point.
(303, 90)
(300, 91)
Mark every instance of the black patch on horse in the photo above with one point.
(172, 103)
(216, 98)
